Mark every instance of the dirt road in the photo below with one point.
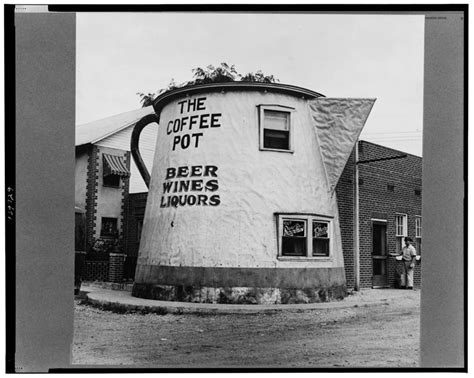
(386, 335)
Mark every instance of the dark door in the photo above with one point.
(379, 254)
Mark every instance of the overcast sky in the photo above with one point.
(375, 56)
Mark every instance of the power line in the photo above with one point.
(394, 132)
(394, 139)
(393, 135)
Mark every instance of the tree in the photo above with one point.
(210, 74)
(146, 99)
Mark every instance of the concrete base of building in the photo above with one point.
(240, 285)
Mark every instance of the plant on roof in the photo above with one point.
(210, 74)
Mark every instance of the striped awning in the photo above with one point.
(115, 165)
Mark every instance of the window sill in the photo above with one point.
(276, 150)
(305, 258)
(108, 237)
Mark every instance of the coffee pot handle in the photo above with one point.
(137, 157)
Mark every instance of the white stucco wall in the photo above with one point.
(80, 175)
(253, 185)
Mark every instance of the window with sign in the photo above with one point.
(401, 230)
(275, 128)
(294, 237)
(320, 238)
(304, 236)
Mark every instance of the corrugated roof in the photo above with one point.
(94, 131)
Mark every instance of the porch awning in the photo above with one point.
(115, 165)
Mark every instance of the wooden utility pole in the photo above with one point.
(356, 218)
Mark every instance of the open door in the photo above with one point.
(379, 254)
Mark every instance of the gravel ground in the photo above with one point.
(385, 335)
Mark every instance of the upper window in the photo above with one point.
(304, 236)
(114, 168)
(418, 235)
(401, 230)
(275, 128)
(418, 227)
(401, 225)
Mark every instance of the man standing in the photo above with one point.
(408, 257)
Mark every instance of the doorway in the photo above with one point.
(379, 254)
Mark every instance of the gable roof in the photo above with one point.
(95, 131)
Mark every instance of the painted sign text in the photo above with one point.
(187, 129)
(199, 182)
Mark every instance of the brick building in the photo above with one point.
(389, 209)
